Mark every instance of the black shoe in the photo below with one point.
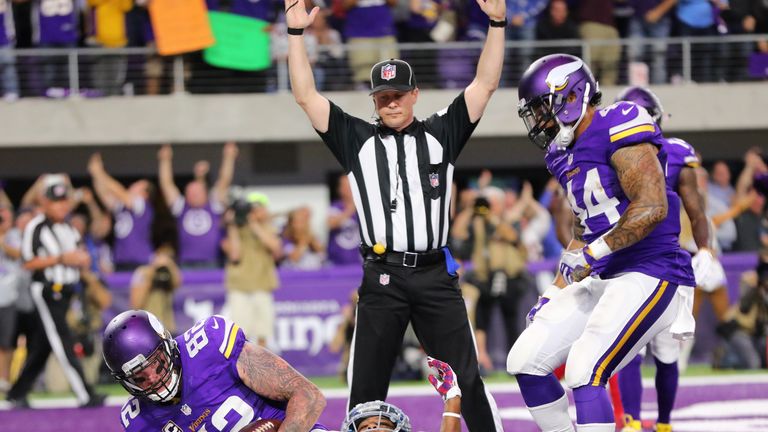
(96, 400)
(19, 403)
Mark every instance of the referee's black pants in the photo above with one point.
(430, 298)
(53, 335)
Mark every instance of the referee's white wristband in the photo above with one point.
(599, 249)
(452, 414)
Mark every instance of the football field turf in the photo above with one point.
(708, 401)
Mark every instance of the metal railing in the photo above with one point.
(93, 72)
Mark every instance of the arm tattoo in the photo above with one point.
(578, 230)
(693, 202)
(272, 377)
(642, 181)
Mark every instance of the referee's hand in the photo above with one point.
(296, 15)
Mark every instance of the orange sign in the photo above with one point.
(180, 26)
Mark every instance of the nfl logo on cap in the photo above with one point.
(388, 72)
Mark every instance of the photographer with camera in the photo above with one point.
(252, 247)
(153, 286)
(482, 234)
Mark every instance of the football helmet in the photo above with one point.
(544, 91)
(646, 99)
(380, 410)
(143, 356)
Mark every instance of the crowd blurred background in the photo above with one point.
(159, 228)
(624, 40)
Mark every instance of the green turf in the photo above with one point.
(333, 382)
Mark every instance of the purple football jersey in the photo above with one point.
(57, 22)
(344, 241)
(584, 170)
(680, 154)
(259, 9)
(213, 397)
(369, 18)
(199, 231)
(133, 232)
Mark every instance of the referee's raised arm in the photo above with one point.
(311, 101)
(488, 74)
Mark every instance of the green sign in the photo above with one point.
(242, 43)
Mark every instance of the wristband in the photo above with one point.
(452, 414)
(295, 31)
(498, 23)
(598, 249)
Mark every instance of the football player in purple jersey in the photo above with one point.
(209, 379)
(624, 278)
(681, 177)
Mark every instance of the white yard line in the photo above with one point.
(427, 390)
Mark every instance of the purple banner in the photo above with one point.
(309, 306)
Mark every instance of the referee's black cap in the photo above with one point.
(392, 74)
(56, 189)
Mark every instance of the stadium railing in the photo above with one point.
(129, 71)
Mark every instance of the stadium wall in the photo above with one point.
(275, 117)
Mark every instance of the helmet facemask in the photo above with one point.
(378, 410)
(541, 118)
(156, 378)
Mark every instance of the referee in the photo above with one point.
(401, 171)
(51, 250)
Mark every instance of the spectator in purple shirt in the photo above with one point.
(58, 26)
(198, 213)
(10, 79)
(651, 19)
(133, 211)
(343, 227)
(370, 35)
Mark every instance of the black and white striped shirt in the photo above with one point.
(44, 238)
(401, 182)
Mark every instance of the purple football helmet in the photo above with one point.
(544, 90)
(646, 99)
(142, 356)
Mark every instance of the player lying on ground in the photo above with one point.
(208, 379)
(385, 417)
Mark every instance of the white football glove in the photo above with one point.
(575, 265)
(702, 263)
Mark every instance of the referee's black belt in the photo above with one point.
(405, 259)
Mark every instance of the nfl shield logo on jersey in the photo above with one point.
(384, 279)
(434, 179)
(388, 72)
(172, 427)
(570, 159)
(186, 409)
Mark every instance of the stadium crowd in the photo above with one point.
(501, 224)
(349, 35)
